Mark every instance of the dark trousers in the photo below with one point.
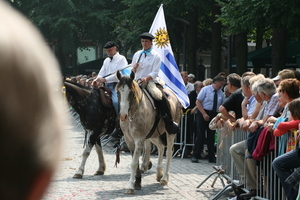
(202, 128)
(284, 166)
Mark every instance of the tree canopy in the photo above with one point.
(191, 23)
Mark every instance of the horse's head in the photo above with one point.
(128, 94)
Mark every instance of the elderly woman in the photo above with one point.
(288, 90)
(284, 164)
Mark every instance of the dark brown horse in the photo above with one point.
(95, 118)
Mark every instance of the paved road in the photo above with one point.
(184, 176)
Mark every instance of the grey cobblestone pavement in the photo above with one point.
(184, 176)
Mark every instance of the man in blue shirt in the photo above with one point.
(208, 101)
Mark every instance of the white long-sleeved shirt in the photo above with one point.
(148, 66)
(110, 66)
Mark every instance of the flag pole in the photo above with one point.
(117, 71)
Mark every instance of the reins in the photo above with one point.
(81, 102)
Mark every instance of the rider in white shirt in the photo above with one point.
(146, 65)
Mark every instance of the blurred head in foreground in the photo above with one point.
(31, 112)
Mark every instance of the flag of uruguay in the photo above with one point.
(169, 71)
(126, 71)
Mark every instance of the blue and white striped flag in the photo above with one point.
(169, 71)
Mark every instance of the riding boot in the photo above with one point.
(164, 108)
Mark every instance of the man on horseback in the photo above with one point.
(111, 64)
(146, 65)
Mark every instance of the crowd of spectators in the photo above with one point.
(85, 80)
(259, 106)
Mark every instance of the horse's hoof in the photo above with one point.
(78, 176)
(164, 182)
(150, 165)
(158, 178)
(99, 173)
(129, 191)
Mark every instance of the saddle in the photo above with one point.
(105, 96)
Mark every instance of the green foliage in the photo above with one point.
(68, 22)
(246, 15)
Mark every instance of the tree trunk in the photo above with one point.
(259, 37)
(192, 45)
(216, 42)
(279, 41)
(241, 52)
(259, 42)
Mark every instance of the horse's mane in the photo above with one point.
(78, 85)
(125, 80)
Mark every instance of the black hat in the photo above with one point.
(109, 44)
(147, 35)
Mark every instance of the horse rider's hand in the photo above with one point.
(98, 82)
(143, 80)
(135, 66)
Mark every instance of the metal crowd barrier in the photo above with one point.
(265, 180)
(225, 165)
(181, 139)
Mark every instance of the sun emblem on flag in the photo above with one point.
(161, 38)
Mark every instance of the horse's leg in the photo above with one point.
(91, 142)
(85, 155)
(132, 183)
(165, 179)
(102, 164)
(138, 178)
(146, 164)
(159, 169)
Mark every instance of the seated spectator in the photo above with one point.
(31, 116)
(233, 102)
(238, 151)
(267, 91)
(284, 74)
(285, 164)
